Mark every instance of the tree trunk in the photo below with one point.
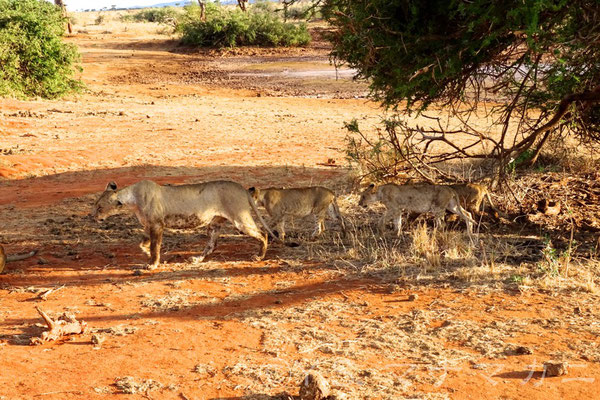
(61, 4)
(202, 5)
(242, 4)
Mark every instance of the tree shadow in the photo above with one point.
(231, 308)
(525, 375)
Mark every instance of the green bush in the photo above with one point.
(160, 15)
(232, 27)
(34, 59)
(308, 12)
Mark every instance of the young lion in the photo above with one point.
(472, 195)
(196, 205)
(435, 199)
(298, 202)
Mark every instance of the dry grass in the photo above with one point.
(109, 22)
(505, 254)
(370, 357)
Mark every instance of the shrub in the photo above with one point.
(232, 27)
(160, 15)
(99, 19)
(34, 59)
(308, 12)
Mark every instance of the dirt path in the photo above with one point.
(231, 328)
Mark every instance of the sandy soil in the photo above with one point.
(231, 328)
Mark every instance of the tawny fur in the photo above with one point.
(301, 202)
(196, 205)
(435, 199)
(471, 197)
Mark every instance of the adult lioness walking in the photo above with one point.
(196, 205)
(435, 199)
(298, 202)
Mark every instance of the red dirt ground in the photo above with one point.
(142, 118)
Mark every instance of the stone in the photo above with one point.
(555, 368)
(314, 387)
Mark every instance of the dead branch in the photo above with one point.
(43, 294)
(563, 108)
(62, 326)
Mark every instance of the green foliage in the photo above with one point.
(307, 12)
(34, 59)
(425, 51)
(522, 158)
(533, 62)
(160, 15)
(225, 27)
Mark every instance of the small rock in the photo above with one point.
(413, 297)
(97, 340)
(138, 272)
(522, 350)
(555, 368)
(314, 387)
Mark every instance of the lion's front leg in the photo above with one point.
(156, 235)
(145, 243)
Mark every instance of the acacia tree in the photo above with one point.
(538, 60)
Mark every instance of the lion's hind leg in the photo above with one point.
(249, 227)
(214, 230)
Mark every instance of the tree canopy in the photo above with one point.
(541, 55)
(34, 59)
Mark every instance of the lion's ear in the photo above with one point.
(111, 186)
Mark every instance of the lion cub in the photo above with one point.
(471, 197)
(298, 202)
(435, 199)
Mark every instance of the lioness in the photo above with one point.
(298, 202)
(15, 257)
(435, 199)
(196, 205)
(472, 195)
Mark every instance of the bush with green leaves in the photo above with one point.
(307, 12)
(160, 15)
(226, 27)
(530, 67)
(35, 61)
